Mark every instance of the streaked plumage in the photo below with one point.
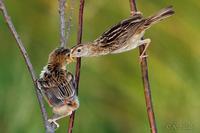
(58, 86)
(122, 37)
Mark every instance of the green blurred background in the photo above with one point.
(111, 90)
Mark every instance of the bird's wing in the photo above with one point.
(71, 79)
(121, 30)
(57, 89)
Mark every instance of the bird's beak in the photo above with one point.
(70, 59)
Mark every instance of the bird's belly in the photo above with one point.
(64, 109)
(130, 44)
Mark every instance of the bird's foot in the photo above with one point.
(142, 57)
(53, 121)
(146, 43)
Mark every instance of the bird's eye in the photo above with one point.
(79, 50)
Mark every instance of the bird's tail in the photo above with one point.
(159, 16)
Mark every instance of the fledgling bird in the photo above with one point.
(58, 86)
(124, 36)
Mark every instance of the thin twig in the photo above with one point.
(28, 64)
(62, 22)
(69, 21)
(78, 64)
(145, 78)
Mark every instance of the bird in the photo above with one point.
(58, 85)
(124, 36)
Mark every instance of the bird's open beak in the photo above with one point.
(70, 59)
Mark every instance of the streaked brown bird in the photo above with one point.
(58, 86)
(124, 36)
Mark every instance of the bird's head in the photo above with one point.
(60, 55)
(81, 50)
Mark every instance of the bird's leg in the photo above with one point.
(60, 112)
(56, 117)
(136, 13)
(53, 120)
(145, 42)
(63, 111)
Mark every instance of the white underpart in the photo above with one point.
(45, 70)
(63, 110)
(132, 43)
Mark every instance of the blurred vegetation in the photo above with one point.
(111, 91)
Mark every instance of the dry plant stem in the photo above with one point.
(69, 21)
(145, 78)
(62, 22)
(78, 64)
(29, 65)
